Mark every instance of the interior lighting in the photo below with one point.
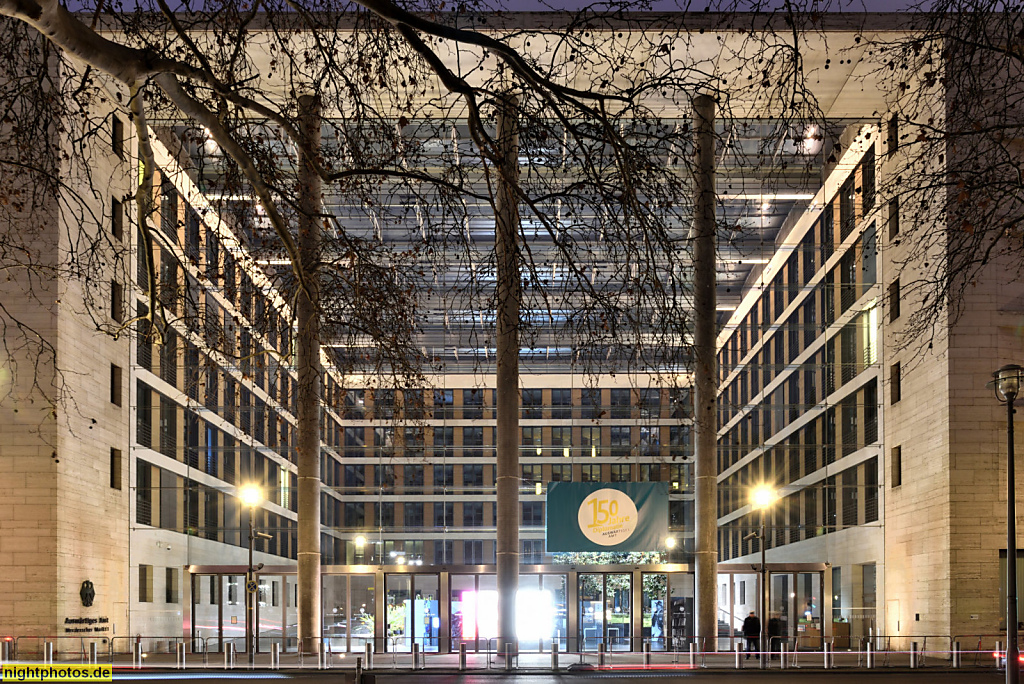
(670, 542)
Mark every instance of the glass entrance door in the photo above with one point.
(413, 614)
(605, 611)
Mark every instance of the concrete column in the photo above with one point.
(509, 297)
(307, 391)
(705, 372)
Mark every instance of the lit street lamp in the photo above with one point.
(761, 498)
(251, 495)
(1006, 381)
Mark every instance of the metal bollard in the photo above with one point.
(415, 656)
(693, 654)
(826, 653)
(647, 655)
(956, 655)
(913, 654)
(368, 655)
(323, 656)
(600, 655)
(783, 652)
(275, 656)
(462, 657)
(554, 655)
(229, 655)
(870, 657)
(137, 655)
(359, 671)
(739, 652)
(5, 651)
(999, 649)
(93, 653)
(179, 655)
(508, 657)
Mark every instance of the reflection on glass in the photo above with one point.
(591, 601)
(655, 594)
(334, 593)
(399, 613)
(680, 610)
(361, 620)
(618, 611)
(426, 617)
(808, 602)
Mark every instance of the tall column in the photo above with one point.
(307, 391)
(705, 375)
(509, 297)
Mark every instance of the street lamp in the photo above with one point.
(761, 498)
(1007, 381)
(251, 495)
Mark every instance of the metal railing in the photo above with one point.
(609, 652)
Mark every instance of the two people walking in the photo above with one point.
(752, 632)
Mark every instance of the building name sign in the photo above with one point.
(84, 625)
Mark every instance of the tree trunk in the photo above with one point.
(509, 296)
(705, 377)
(307, 392)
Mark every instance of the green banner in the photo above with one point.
(607, 516)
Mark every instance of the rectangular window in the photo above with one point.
(561, 403)
(650, 472)
(561, 473)
(115, 384)
(590, 441)
(532, 403)
(894, 383)
(474, 552)
(143, 493)
(620, 472)
(171, 593)
(115, 468)
(117, 219)
(443, 552)
(443, 477)
(413, 514)
(117, 136)
(892, 135)
(894, 218)
(868, 179)
(894, 300)
(472, 514)
(117, 301)
(472, 403)
(145, 584)
(896, 466)
(444, 514)
(590, 473)
(871, 491)
(533, 514)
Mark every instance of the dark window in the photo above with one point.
(590, 473)
(894, 383)
(171, 585)
(472, 403)
(117, 136)
(561, 473)
(533, 514)
(620, 472)
(473, 478)
(472, 514)
(850, 497)
(892, 135)
(117, 301)
(117, 219)
(870, 491)
(894, 300)
(894, 218)
(168, 428)
(115, 385)
(145, 584)
(561, 402)
(443, 476)
(444, 514)
(115, 468)
(619, 401)
(143, 493)
(474, 552)
(532, 403)
(868, 179)
(355, 476)
(143, 415)
(413, 476)
(443, 401)
(413, 514)
(871, 413)
(896, 467)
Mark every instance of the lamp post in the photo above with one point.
(251, 495)
(1006, 381)
(761, 498)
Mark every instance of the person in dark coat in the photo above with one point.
(774, 631)
(752, 633)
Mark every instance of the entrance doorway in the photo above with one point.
(412, 612)
(605, 611)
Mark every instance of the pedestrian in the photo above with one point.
(774, 632)
(752, 633)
